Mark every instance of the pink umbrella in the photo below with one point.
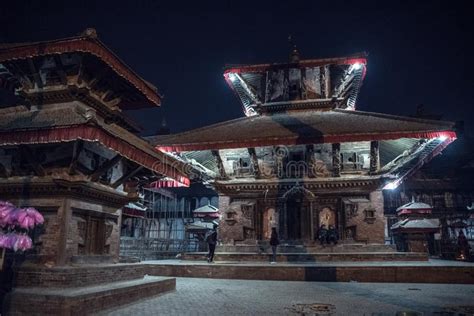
(23, 242)
(8, 241)
(29, 217)
(6, 213)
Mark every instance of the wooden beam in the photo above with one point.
(114, 102)
(97, 78)
(327, 82)
(35, 73)
(310, 160)
(279, 157)
(105, 94)
(253, 157)
(104, 167)
(374, 157)
(3, 171)
(20, 75)
(126, 176)
(220, 165)
(336, 160)
(60, 69)
(78, 145)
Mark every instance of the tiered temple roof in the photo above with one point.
(76, 89)
(310, 102)
(79, 57)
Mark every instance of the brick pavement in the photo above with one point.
(240, 297)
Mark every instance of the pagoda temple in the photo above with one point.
(303, 156)
(68, 149)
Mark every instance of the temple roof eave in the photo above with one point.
(65, 125)
(303, 127)
(82, 44)
(367, 183)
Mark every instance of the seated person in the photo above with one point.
(332, 235)
(322, 234)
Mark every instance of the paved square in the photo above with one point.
(196, 296)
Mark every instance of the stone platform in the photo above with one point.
(309, 252)
(307, 247)
(80, 290)
(310, 257)
(86, 300)
(430, 271)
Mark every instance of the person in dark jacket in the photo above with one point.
(463, 246)
(322, 234)
(211, 239)
(274, 242)
(332, 235)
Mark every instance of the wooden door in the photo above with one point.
(95, 238)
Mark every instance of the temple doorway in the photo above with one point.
(298, 218)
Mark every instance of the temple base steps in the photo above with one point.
(431, 271)
(82, 290)
(306, 247)
(309, 257)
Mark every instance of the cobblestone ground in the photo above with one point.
(195, 296)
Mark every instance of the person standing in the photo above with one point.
(463, 246)
(211, 239)
(274, 242)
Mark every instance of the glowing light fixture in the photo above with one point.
(443, 138)
(391, 185)
(357, 66)
(232, 77)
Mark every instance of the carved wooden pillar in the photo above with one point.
(374, 157)
(253, 157)
(220, 165)
(327, 82)
(279, 163)
(285, 221)
(310, 161)
(336, 160)
(281, 219)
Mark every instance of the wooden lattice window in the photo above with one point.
(369, 215)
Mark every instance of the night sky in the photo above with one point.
(419, 53)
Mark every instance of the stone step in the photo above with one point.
(315, 248)
(390, 272)
(309, 257)
(34, 275)
(85, 300)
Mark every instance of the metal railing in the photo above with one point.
(158, 248)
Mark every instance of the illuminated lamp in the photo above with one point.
(232, 77)
(391, 185)
(356, 66)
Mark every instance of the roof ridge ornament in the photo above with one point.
(295, 54)
(90, 32)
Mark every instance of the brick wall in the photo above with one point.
(65, 277)
(226, 232)
(48, 240)
(113, 241)
(370, 229)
